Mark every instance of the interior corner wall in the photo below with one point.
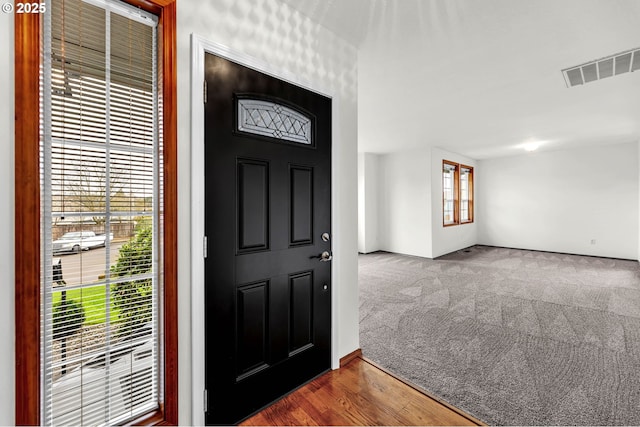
(7, 251)
(271, 32)
(449, 239)
(368, 188)
(361, 205)
(581, 201)
(371, 186)
(404, 202)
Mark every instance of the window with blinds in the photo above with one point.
(100, 153)
(457, 193)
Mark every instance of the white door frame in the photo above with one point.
(200, 45)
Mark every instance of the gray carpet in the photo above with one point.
(512, 337)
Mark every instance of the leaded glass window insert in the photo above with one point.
(274, 120)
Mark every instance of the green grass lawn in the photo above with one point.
(93, 300)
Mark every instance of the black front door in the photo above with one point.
(268, 228)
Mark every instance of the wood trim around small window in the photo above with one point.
(456, 194)
(27, 214)
(471, 216)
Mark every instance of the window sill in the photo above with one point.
(457, 223)
(155, 418)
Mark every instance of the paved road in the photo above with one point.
(87, 266)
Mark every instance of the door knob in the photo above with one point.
(325, 256)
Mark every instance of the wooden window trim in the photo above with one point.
(27, 28)
(471, 215)
(456, 192)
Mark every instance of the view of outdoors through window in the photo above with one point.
(99, 167)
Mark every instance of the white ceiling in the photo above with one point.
(483, 77)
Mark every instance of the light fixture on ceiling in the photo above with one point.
(619, 63)
(531, 144)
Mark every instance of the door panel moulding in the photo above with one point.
(200, 45)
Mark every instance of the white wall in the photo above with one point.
(560, 200)
(361, 205)
(449, 239)
(273, 33)
(404, 202)
(368, 189)
(408, 189)
(7, 319)
(553, 201)
(389, 112)
(371, 185)
(394, 119)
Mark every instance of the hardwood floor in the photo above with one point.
(359, 393)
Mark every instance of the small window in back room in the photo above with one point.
(450, 178)
(457, 193)
(466, 194)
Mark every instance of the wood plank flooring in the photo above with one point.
(359, 393)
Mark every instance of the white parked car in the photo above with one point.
(76, 241)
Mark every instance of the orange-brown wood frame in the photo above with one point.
(456, 194)
(456, 201)
(27, 218)
(27, 214)
(470, 199)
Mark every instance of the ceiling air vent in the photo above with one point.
(591, 71)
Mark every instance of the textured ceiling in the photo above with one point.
(483, 77)
(347, 18)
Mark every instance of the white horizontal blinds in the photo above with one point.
(100, 189)
(465, 174)
(448, 191)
